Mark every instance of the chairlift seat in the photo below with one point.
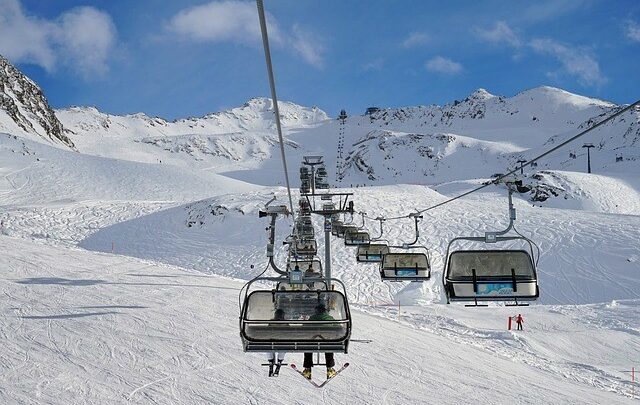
(296, 332)
(307, 266)
(306, 248)
(356, 238)
(405, 267)
(491, 275)
(371, 253)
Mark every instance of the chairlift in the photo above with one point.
(371, 253)
(355, 238)
(308, 266)
(305, 248)
(405, 266)
(292, 331)
(305, 231)
(346, 228)
(492, 274)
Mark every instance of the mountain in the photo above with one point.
(24, 109)
(234, 139)
(485, 134)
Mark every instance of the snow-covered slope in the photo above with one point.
(34, 173)
(570, 271)
(82, 327)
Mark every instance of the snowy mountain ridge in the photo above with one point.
(24, 110)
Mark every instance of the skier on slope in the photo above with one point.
(278, 315)
(519, 321)
(321, 314)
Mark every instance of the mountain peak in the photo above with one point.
(559, 96)
(26, 106)
(481, 94)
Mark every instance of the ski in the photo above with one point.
(274, 369)
(315, 384)
(276, 372)
(338, 371)
(293, 366)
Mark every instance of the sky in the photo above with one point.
(177, 59)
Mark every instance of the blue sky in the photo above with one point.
(187, 58)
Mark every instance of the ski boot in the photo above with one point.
(276, 372)
(331, 372)
(271, 367)
(306, 373)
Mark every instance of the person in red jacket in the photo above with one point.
(519, 321)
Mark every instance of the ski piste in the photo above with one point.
(315, 384)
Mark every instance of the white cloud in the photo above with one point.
(87, 37)
(223, 21)
(237, 21)
(308, 46)
(633, 31)
(546, 10)
(81, 38)
(443, 65)
(575, 61)
(501, 33)
(416, 39)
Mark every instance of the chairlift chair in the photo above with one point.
(405, 266)
(294, 332)
(346, 228)
(371, 253)
(356, 238)
(336, 227)
(305, 248)
(491, 275)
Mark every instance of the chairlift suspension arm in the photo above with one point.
(271, 245)
(381, 220)
(491, 236)
(416, 218)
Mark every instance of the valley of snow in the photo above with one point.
(123, 261)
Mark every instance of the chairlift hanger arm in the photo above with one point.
(381, 220)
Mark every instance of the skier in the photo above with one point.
(321, 314)
(519, 321)
(277, 316)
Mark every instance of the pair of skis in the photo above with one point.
(274, 372)
(315, 384)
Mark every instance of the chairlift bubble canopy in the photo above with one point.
(371, 253)
(346, 228)
(294, 330)
(405, 266)
(355, 238)
(491, 274)
(305, 248)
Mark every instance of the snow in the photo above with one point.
(87, 327)
(123, 261)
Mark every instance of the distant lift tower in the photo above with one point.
(342, 119)
(588, 146)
